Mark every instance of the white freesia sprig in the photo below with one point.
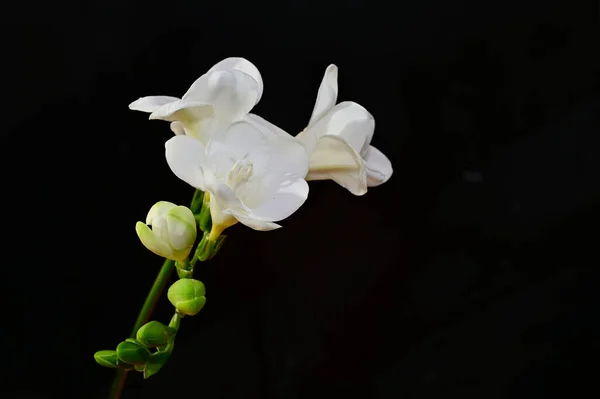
(338, 139)
(173, 230)
(223, 95)
(253, 171)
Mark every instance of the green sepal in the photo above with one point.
(132, 352)
(140, 367)
(204, 219)
(155, 363)
(216, 246)
(107, 358)
(203, 249)
(197, 201)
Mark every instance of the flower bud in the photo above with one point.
(132, 352)
(153, 334)
(173, 230)
(187, 295)
(106, 358)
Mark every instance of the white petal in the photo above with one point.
(151, 103)
(177, 128)
(152, 242)
(255, 224)
(242, 140)
(348, 120)
(157, 218)
(232, 93)
(378, 166)
(193, 117)
(275, 197)
(242, 65)
(185, 156)
(262, 124)
(333, 159)
(285, 153)
(327, 96)
(222, 199)
(183, 111)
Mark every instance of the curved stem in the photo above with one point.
(157, 288)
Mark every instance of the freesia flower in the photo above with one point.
(223, 95)
(338, 139)
(253, 172)
(173, 230)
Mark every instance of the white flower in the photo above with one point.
(223, 95)
(338, 139)
(173, 230)
(253, 171)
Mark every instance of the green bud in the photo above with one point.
(153, 334)
(106, 358)
(187, 295)
(132, 352)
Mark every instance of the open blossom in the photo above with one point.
(173, 230)
(253, 172)
(338, 139)
(223, 95)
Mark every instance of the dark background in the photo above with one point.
(471, 273)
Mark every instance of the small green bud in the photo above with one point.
(187, 295)
(153, 334)
(132, 352)
(107, 358)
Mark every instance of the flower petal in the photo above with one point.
(189, 117)
(232, 93)
(177, 128)
(152, 242)
(276, 197)
(185, 156)
(333, 159)
(157, 218)
(285, 153)
(182, 228)
(151, 103)
(348, 120)
(183, 111)
(255, 224)
(378, 166)
(327, 95)
(262, 124)
(242, 140)
(242, 65)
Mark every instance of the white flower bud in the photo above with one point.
(173, 230)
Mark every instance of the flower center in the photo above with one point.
(240, 172)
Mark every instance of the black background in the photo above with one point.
(472, 272)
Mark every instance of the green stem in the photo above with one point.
(157, 288)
